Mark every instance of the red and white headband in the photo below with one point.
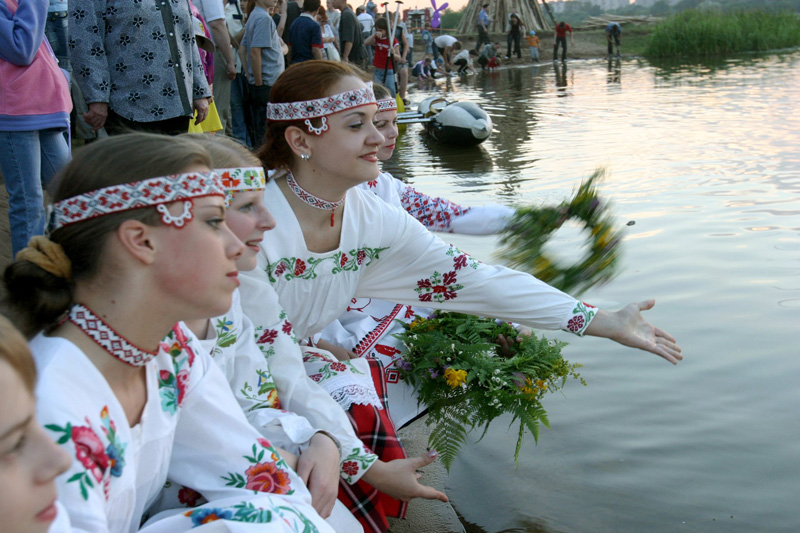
(320, 108)
(241, 179)
(153, 192)
(387, 104)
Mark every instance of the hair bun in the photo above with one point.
(48, 256)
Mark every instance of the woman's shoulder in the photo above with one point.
(58, 360)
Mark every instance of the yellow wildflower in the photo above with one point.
(416, 322)
(533, 388)
(455, 377)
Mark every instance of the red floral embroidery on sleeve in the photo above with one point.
(268, 337)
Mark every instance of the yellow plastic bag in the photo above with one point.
(210, 125)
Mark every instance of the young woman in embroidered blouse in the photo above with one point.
(269, 382)
(337, 242)
(29, 459)
(367, 329)
(124, 387)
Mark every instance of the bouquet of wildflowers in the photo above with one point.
(467, 379)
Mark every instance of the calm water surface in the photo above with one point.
(706, 160)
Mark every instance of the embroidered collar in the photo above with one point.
(387, 104)
(310, 199)
(241, 179)
(107, 338)
(153, 192)
(320, 108)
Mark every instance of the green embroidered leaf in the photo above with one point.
(76, 477)
(227, 339)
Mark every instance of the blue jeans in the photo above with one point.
(28, 161)
(57, 32)
(377, 77)
(238, 91)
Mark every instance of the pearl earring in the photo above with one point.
(305, 157)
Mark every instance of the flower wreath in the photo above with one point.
(526, 233)
(466, 379)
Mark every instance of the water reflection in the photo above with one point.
(561, 79)
(705, 158)
(614, 71)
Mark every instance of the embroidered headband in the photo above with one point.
(146, 193)
(241, 179)
(320, 108)
(387, 104)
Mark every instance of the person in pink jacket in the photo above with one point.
(34, 113)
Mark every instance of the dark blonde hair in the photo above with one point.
(14, 351)
(37, 297)
(224, 151)
(381, 92)
(308, 80)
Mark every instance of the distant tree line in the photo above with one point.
(576, 12)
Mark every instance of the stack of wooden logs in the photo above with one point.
(528, 11)
(600, 22)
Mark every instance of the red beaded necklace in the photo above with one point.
(310, 199)
(107, 338)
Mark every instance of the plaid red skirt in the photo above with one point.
(376, 430)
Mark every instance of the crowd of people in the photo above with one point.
(203, 324)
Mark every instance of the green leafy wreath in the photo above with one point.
(467, 380)
(524, 236)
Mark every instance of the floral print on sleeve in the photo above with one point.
(270, 475)
(98, 461)
(439, 287)
(434, 213)
(172, 386)
(290, 268)
(579, 319)
(356, 463)
(249, 513)
(263, 393)
(227, 335)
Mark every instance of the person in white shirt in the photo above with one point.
(443, 44)
(463, 60)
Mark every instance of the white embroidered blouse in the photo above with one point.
(264, 367)
(192, 432)
(385, 253)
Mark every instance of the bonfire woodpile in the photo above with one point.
(528, 11)
(601, 21)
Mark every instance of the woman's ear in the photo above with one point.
(297, 139)
(138, 239)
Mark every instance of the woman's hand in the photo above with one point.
(399, 478)
(319, 469)
(506, 342)
(629, 328)
(341, 353)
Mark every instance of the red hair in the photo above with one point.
(308, 80)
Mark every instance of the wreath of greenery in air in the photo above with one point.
(467, 379)
(523, 239)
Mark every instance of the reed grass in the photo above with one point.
(707, 33)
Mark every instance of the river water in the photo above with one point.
(705, 159)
